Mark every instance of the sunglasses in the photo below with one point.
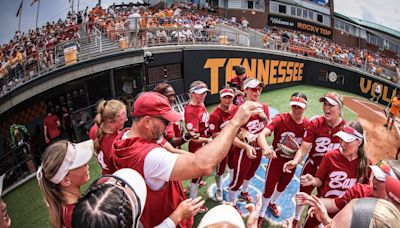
(257, 89)
(165, 121)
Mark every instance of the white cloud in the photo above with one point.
(383, 12)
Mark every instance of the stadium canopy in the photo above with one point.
(370, 25)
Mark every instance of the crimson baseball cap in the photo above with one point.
(332, 99)
(298, 101)
(226, 92)
(252, 83)
(393, 188)
(349, 134)
(154, 104)
(381, 170)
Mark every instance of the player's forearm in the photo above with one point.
(304, 148)
(330, 205)
(213, 153)
(238, 143)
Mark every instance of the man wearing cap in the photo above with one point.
(196, 118)
(137, 148)
(218, 119)
(289, 124)
(393, 112)
(378, 189)
(318, 139)
(237, 83)
(246, 154)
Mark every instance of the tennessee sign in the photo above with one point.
(265, 70)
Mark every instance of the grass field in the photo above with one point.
(26, 205)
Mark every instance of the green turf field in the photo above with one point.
(26, 205)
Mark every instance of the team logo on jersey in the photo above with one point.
(339, 180)
(212, 127)
(100, 159)
(255, 126)
(324, 144)
(189, 126)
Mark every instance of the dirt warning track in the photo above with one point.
(381, 143)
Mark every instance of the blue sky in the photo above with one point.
(385, 12)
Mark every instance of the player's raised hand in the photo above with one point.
(245, 111)
(289, 166)
(307, 180)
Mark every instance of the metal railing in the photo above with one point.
(48, 59)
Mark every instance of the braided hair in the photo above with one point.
(103, 205)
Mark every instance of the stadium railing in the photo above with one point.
(97, 34)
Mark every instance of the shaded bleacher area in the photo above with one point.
(39, 51)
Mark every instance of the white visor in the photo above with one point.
(298, 103)
(222, 214)
(77, 155)
(227, 94)
(380, 174)
(199, 90)
(346, 136)
(135, 182)
(251, 83)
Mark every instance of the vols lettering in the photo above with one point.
(366, 86)
(267, 71)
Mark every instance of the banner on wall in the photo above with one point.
(215, 68)
(297, 24)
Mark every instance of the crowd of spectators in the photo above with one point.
(180, 23)
(298, 42)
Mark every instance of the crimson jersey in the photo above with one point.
(218, 119)
(237, 82)
(52, 127)
(255, 124)
(355, 192)
(321, 136)
(337, 174)
(282, 125)
(174, 130)
(105, 153)
(196, 118)
(131, 153)
(66, 215)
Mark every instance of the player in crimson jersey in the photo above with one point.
(381, 172)
(237, 83)
(218, 119)
(318, 139)
(51, 127)
(196, 118)
(246, 152)
(137, 148)
(340, 169)
(291, 123)
(109, 120)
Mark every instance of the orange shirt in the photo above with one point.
(395, 108)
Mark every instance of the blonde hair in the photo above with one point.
(52, 160)
(386, 214)
(106, 110)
